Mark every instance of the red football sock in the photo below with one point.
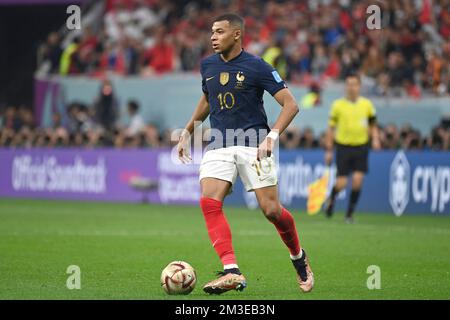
(286, 228)
(218, 229)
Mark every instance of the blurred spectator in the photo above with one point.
(307, 140)
(381, 87)
(106, 106)
(350, 62)
(439, 138)
(410, 138)
(274, 56)
(136, 124)
(411, 89)
(390, 137)
(312, 98)
(69, 61)
(373, 63)
(396, 72)
(161, 57)
(86, 51)
(191, 50)
(435, 70)
(49, 54)
(113, 59)
(166, 138)
(152, 138)
(11, 119)
(333, 69)
(25, 118)
(58, 133)
(135, 133)
(320, 61)
(298, 63)
(290, 138)
(445, 20)
(117, 17)
(74, 124)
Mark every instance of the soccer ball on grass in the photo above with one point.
(178, 277)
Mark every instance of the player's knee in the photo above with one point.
(356, 184)
(341, 183)
(271, 210)
(211, 194)
(206, 194)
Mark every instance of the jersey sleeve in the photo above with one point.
(269, 79)
(202, 72)
(333, 118)
(371, 112)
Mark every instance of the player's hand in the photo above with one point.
(183, 147)
(376, 145)
(328, 157)
(265, 149)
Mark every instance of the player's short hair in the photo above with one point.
(233, 19)
(353, 75)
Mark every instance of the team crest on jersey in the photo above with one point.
(239, 80)
(224, 78)
(240, 76)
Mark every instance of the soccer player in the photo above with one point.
(353, 118)
(233, 83)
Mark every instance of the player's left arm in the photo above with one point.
(375, 135)
(373, 128)
(288, 111)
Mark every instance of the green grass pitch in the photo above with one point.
(122, 248)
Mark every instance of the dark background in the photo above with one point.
(22, 29)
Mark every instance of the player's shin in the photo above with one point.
(287, 230)
(218, 230)
(354, 196)
(330, 202)
(285, 226)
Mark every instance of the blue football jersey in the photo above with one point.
(235, 94)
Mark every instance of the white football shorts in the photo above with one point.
(227, 163)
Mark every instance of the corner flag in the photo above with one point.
(317, 193)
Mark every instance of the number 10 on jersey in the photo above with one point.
(226, 100)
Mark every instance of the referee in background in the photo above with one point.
(352, 121)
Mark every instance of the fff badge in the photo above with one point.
(224, 78)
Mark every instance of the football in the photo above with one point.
(178, 277)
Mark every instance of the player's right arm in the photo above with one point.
(373, 127)
(329, 138)
(201, 112)
(329, 135)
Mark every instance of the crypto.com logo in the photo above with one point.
(399, 183)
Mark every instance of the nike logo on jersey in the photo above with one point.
(207, 79)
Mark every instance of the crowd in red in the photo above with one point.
(307, 41)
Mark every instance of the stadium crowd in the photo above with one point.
(307, 41)
(98, 126)
(311, 43)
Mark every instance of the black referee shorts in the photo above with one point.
(351, 158)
